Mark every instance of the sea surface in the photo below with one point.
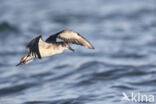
(123, 33)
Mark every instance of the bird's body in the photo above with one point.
(53, 48)
(39, 48)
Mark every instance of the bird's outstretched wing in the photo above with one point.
(53, 37)
(33, 47)
(69, 36)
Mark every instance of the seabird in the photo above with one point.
(39, 48)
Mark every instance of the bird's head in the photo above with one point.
(26, 59)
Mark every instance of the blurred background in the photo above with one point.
(123, 33)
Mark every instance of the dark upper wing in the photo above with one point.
(71, 37)
(33, 47)
(52, 38)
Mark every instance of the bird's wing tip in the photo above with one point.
(91, 47)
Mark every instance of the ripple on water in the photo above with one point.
(123, 60)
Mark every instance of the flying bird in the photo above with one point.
(39, 48)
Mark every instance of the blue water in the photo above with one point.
(123, 33)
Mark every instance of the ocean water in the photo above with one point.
(123, 33)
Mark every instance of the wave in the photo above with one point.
(7, 27)
(15, 89)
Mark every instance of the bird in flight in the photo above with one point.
(39, 48)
